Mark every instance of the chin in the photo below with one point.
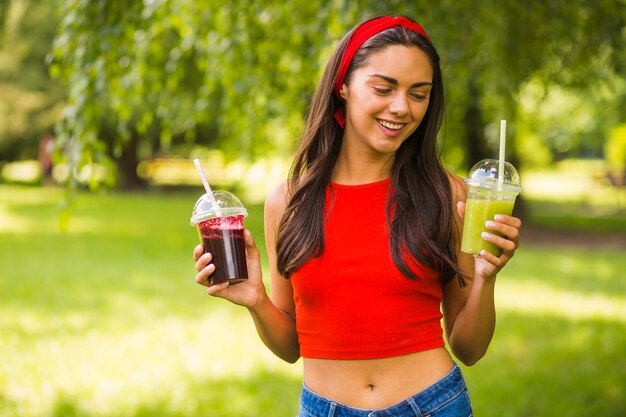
(387, 149)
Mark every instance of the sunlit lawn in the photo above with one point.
(105, 320)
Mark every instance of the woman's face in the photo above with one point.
(387, 98)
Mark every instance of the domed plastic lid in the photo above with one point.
(222, 204)
(486, 173)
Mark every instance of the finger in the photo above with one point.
(505, 230)
(251, 249)
(203, 261)
(509, 220)
(217, 288)
(203, 277)
(491, 258)
(197, 252)
(501, 242)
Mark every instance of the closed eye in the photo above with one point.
(382, 91)
(419, 97)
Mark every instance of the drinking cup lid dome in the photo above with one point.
(222, 204)
(487, 172)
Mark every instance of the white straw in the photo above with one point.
(502, 153)
(207, 187)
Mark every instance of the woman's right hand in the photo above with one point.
(249, 292)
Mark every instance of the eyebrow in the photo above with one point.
(395, 82)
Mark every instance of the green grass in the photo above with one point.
(560, 342)
(106, 320)
(577, 216)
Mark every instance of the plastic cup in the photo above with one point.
(486, 197)
(219, 221)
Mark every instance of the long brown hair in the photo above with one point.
(419, 210)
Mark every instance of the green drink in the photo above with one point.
(477, 212)
(486, 197)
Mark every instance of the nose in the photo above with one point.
(399, 104)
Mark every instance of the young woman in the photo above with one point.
(363, 242)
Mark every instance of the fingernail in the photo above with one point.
(498, 218)
(490, 225)
(486, 235)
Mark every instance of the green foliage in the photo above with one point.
(30, 103)
(169, 68)
(563, 122)
(499, 49)
(166, 68)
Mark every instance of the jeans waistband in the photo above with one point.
(444, 390)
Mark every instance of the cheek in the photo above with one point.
(419, 111)
(364, 106)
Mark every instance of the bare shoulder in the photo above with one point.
(275, 206)
(276, 202)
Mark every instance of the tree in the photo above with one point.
(494, 49)
(167, 67)
(164, 68)
(29, 101)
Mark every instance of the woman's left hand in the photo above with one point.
(486, 264)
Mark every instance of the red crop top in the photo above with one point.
(352, 302)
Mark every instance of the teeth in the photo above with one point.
(388, 125)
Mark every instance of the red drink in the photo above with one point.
(222, 237)
(218, 217)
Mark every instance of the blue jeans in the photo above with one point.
(447, 397)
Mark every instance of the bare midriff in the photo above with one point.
(376, 383)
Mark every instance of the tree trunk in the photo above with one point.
(476, 145)
(127, 165)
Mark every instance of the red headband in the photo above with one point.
(360, 35)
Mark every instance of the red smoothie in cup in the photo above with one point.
(219, 219)
(222, 237)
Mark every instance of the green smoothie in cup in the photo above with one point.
(477, 212)
(486, 197)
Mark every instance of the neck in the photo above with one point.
(354, 167)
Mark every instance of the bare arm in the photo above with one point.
(278, 330)
(469, 312)
(273, 316)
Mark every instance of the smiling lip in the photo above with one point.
(390, 125)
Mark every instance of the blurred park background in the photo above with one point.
(103, 105)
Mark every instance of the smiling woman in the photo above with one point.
(363, 241)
